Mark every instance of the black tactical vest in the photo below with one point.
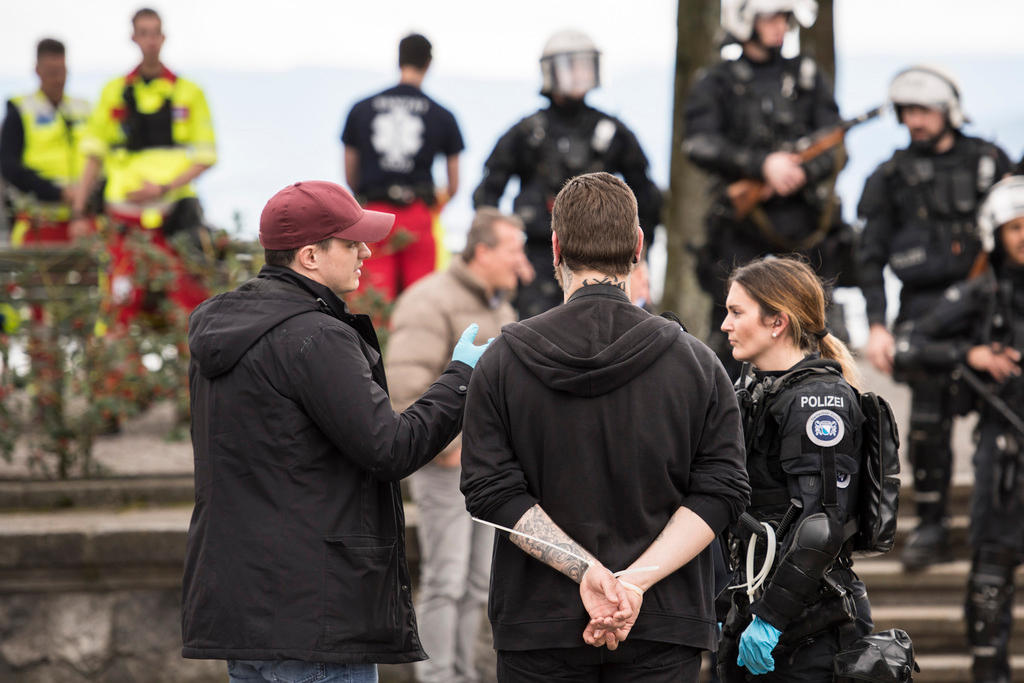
(144, 131)
(771, 108)
(556, 149)
(936, 199)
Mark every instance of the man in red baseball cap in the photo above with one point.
(295, 562)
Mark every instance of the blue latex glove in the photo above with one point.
(756, 645)
(465, 350)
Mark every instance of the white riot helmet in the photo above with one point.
(1005, 201)
(931, 87)
(570, 65)
(738, 15)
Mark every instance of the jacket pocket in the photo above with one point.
(360, 591)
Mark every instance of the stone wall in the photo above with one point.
(115, 636)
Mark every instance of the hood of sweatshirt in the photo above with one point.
(609, 342)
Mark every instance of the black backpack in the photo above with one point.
(878, 502)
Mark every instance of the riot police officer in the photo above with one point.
(548, 147)
(919, 211)
(803, 432)
(742, 119)
(980, 323)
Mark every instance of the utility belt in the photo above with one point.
(400, 195)
(836, 608)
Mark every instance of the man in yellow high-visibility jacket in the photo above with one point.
(152, 133)
(40, 158)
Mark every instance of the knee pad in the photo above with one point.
(989, 605)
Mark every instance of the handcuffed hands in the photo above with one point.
(465, 350)
(613, 608)
(756, 644)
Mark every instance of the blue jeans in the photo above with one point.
(294, 671)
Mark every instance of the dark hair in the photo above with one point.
(145, 12)
(595, 218)
(284, 257)
(414, 50)
(49, 46)
(788, 285)
(481, 230)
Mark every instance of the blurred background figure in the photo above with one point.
(743, 120)
(456, 554)
(919, 211)
(40, 158)
(978, 328)
(152, 132)
(565, 139)
(391, 140)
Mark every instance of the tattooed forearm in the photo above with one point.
(613, 281)
(536, 522)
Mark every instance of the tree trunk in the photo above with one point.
(819, 41)
(696, 45)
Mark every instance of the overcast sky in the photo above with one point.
(500, 40)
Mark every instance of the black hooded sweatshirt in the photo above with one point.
(610, 419)
(296, 546)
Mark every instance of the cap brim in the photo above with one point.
(372, 227)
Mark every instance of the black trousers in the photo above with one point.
(635, 661)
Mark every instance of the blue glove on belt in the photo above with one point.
(465, 351)
(756, 645)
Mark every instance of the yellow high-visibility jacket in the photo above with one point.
(50, 154)
(166, 131)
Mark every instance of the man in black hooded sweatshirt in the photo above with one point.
(295, 562)
(615, 436)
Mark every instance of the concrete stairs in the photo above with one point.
(929, 604)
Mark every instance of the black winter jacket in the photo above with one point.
(296, 545)
(610, 419)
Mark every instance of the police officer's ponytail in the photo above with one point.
(790, 286)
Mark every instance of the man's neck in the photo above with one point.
(151, 69)
(477, 271)
(945, 142)
(756, 52)
(53, 98)
(579, 279)
(410, 75)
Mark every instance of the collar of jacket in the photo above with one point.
(329, 302)
(459, 270)
(606, 291)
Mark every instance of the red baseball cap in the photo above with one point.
(313, 210)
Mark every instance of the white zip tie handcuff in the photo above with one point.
(627, 584)
(755, 581)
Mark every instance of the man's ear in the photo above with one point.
(639, 244)
(308, 257)
(556, 249)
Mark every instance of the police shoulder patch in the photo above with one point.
(825, 428)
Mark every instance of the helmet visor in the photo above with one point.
(575, 73)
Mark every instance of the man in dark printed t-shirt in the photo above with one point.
(391, 140)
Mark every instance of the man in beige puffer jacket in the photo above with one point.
(426, 323)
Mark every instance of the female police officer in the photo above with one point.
(802, 425)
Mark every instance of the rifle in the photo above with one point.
(745, 194)
(986, 393)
